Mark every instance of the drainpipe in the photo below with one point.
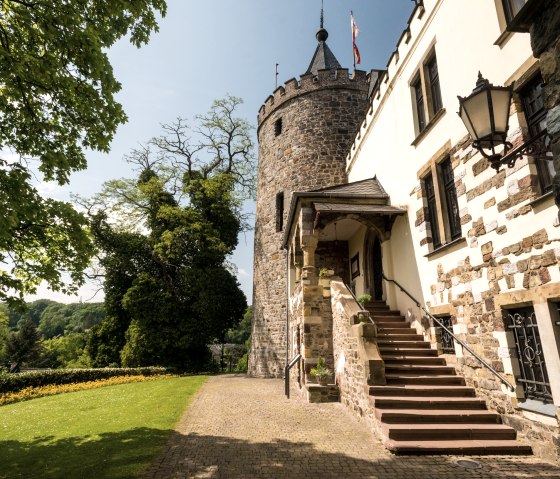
(287, 307)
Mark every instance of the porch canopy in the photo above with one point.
(365, 201)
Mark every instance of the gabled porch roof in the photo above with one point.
(365, 197)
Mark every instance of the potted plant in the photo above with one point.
(363, 299)
(321, 372)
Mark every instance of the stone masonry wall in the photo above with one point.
(320, 116)
(350, 372)
(506, 251)
(333, 257)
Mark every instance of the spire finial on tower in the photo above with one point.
(322, 34)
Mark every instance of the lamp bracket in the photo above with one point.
(536, 147)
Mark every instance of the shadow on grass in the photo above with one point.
(108, 455)
(128, 454)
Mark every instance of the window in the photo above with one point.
(512, 8)
(278, 127)
(419, 97)
(442, 210)
(451, 204)
(432, 210)
(433, 77)
(279, 211)
(447, 341)
(533, 376)
(535, 114)
(426, 93)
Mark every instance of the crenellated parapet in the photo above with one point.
(308, 83)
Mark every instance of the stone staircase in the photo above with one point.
(425, 408)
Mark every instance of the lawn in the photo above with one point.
(111, 432)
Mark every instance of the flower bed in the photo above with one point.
(17, 382)
(33, 392)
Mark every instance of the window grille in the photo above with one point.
(533, 375)
(447, 342)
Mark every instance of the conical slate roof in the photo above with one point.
(323, 59)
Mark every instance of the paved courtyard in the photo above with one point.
(245, 428)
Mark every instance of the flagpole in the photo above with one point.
(352, 33)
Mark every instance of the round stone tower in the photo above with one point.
(305, 130)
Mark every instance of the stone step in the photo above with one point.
(391, 352)
(471, 447)
(391, 322)
(377, 314)
(398, 344)
(419, 360)
(424, 402)
(434, 431)
(400, 324)
(406, 335)
(422, 369)
(451, 416)
(410, 379)
(419, 390)
(396, 330)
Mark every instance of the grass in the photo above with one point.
(111, 432)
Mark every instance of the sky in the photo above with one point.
(207, 49)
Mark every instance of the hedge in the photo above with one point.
(10, 382)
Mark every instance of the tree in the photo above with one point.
(56, 98)
(168, 287)
(4, 335)
(23, 346)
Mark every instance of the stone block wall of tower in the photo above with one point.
(305, 132)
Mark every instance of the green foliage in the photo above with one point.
(241, 333)
(56, 99)
(16, 382)
(65, 352)
(23, 346)
(58, 318)
(4, 335)
(169, 291)
(320, 370)
(363, 299)
(112, 432)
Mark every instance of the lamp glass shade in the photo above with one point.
(476, 115)
(485, 113)
(500, 104)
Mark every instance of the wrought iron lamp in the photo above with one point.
(485, 113)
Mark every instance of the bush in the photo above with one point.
(16, 382)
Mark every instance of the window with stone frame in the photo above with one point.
(442, 209)
(426, 93)
(531, 96)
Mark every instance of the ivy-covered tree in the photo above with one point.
(57, 97)
(168, 287)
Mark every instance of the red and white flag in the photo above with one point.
(355, 33)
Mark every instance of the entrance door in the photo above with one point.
(377, 269)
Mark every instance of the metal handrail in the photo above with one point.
(290, 365)
(362, 309)
(476, 356)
